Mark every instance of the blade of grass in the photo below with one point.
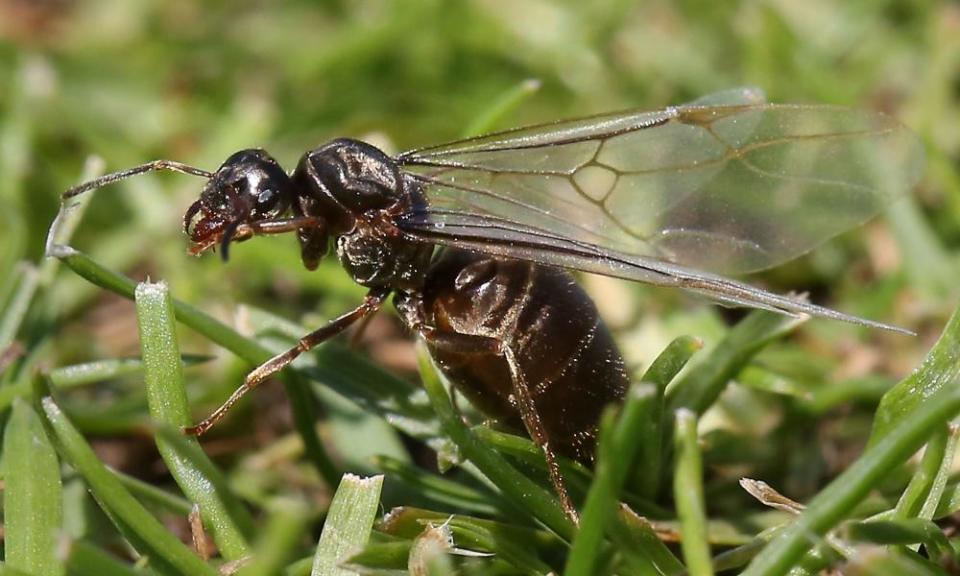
(16, 309)
(74, 376)
(940, 369)
(501, 107)
(577, 475)
(437, 488)
(703, 383)
(382, 556)
(523, 449)
(519, 546)
(32, 495)
(741, 555)
(304, 408)
(617, 449)
(661, 372)
(85, 559)
(835, 501)
(167, 554)
(903, 532)
(688, 494)
(65, 225)
(588, 544)
(879, 563)
(939, 484)
(642, 549)
(516, 552)
(348, 524)
(6, 570)
(937, 458)
(283, 531)
(517, 488)
(299, 568)
(100, 370)
(196, 475)
(155, 496)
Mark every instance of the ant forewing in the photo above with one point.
(672, 197)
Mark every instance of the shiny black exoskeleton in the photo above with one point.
(523, 342)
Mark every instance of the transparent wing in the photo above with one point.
(726, 189)
(728, 184)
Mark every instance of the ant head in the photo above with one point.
(249, 187)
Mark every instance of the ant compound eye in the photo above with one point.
(267, 199)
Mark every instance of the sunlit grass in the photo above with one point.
(812, 409)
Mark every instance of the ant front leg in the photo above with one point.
(371, 303)
(248, 230)
(282, 225)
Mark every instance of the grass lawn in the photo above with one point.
(750, 443)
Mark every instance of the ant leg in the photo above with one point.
(468, 343)
(534, 426)
(358, 332)
(280, 225)
(371, 303)
(246, 231)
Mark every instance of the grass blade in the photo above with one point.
(167, 554)
(940, 369)
(661, 372)
(437, 488)
(519, 546)
(32, 496)
(155, 496)
(502, 107)
(928, 481)
(939, 483)
(902, 532)
(85, 559)
(7, 570)
(280, 537)
(616, 451)
(688, 493)
(642, 549)
(880, 563)
(348, 524)
(702, 385)
(835, 501)
(101, 370)
(16, 309)
(167, 398)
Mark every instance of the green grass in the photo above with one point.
(97, 479)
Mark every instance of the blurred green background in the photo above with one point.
(134, 80)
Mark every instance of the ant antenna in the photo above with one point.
(156, 165)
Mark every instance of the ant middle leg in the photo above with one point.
(371, 303)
